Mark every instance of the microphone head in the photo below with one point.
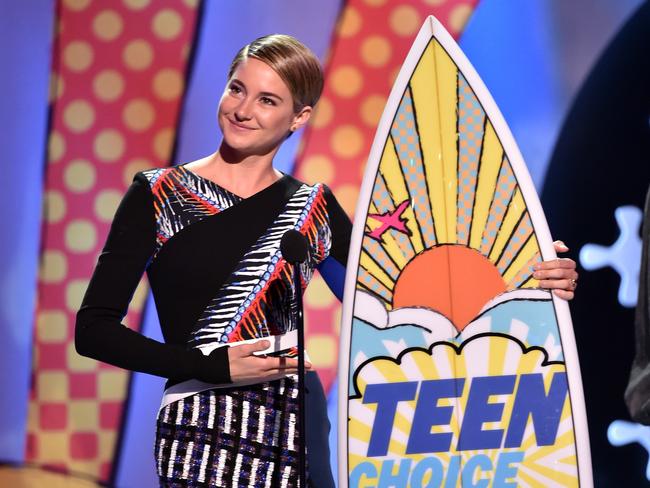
(294, 247)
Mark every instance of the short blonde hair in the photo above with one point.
(294, 62)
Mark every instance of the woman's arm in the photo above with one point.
(332, 269)
(99, 333)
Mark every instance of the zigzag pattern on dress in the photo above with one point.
(182, 198)
(257, 298)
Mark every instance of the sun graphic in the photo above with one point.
(427, 281)
(447, 228)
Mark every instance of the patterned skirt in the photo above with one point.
(237, 437)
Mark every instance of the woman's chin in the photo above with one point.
(236, 151)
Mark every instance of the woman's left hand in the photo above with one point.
(558, 274)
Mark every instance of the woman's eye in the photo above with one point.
(267, 101)
(234, 89)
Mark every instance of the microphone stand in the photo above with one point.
(297, 286)
(295, 250)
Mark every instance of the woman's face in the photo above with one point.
(256, 110)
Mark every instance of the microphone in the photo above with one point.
(294, 247)
(295, 250)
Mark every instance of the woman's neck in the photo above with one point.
(243, 177)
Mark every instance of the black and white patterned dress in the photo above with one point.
(218, 278)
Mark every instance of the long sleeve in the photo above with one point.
(99, 333)
(333, 268)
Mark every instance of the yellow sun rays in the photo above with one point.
(444, 157)
(436, 121)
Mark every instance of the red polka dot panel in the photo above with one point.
(117, 82)
(371, 41)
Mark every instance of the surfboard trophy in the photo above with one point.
(456, 368)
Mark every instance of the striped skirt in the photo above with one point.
(237, 437)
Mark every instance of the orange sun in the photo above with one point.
(453, 280)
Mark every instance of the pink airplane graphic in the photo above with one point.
(390, 220)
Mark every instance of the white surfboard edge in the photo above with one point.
(433, 28)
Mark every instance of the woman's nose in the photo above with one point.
(244, 109)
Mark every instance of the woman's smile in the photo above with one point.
(240, 126)
(256, 111)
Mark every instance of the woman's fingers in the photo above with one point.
(273, 374)
(283, 363)
(565, 263)
(560, 246)
(556, 274)
(559, 273)
(566, 295)
(565, 284)
(246, 365)
(244, 350)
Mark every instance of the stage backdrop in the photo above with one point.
(134, 85)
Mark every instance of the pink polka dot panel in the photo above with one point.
(371, 41)
(117, 88)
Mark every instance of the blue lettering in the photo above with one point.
(453, 471)
(478, 471)
(428, 413)
(480, 461)
(386, 396)
(545, 409)
(366, 469)
(430, 464)
(388, 480)
(505, 469)
(479, 410)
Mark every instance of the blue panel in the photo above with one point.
(333, 414)
(135, 458)
(26, 29)
(226, 28)
(533, 57)
(511, 47)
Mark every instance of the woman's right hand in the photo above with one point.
(246, 366)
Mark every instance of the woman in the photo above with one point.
(207, 233)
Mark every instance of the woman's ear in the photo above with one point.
(301, 118)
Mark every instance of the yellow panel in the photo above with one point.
(396, 448)
(361, 384)
(374, 270)
(515, 209)
(559, 478)
(498, 350)
(52, 386)
(111, 385)
(426, 108)
(359, 430)
(458, 362)
(53, 447)
(403, 423)
(427, 367)
(525, 474)
(33, 477)
(528, 251)
(492, 154)
(388, 242)
(447, 90)
(372, 224)
(392, 171)
(83, 415)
